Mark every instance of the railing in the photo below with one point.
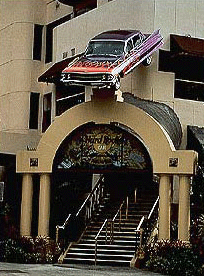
(111, 230)
(118, 213)
(93, 199)
(87, 208)
(105, 225)
(145, 225)
(58, 227)
(111, 224)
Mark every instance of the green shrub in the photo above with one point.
(28, 250)
(173, 258)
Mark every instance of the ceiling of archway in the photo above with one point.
(102, 147)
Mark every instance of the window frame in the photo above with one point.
(34, 110)
(38, 41)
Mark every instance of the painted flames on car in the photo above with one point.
(105, 68)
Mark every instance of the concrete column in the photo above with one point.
(26, 205)
(44, 205)
(164, 207)
(184, 208)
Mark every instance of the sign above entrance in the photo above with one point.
(102, 147)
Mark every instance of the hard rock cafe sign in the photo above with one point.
(102, 147)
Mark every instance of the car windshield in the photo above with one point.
(114, 48)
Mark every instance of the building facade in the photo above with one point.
(36, 118)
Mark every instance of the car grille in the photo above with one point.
(86, 77)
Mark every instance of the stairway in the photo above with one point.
(121, 250)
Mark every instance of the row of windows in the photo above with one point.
(38, 33)
(64, 101)
(189, 77)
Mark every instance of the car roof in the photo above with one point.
(116, 35)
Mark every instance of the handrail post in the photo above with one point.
(127, 206)
(112, 232)
(135, 195)
(106, 233)
(120, 219)
(141, 234)
(96, 241)
(57, 234)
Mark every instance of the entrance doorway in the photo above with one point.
(109, 150)
(69, 191)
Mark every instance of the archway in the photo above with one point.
(166, 160)
(112, 150)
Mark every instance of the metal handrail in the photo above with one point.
(152, 210)
(140, 229)
(98, 234)
(58, 227)
(119, 211)
(90, 195)
(62, 227)
(111, 225)
(140, 224)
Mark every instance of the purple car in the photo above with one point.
(110, 56)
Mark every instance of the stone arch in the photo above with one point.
(154, 136)
(152, 133)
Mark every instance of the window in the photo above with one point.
(105, 48)
(1, 191)
(185, 59)
(68, 96)
(47, 108)
(34, 108)
(136, 40)
(73, 52)
(129, 46)
(49, 36)
(37, 44)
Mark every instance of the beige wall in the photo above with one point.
(16, 66)
(19, 72)
(171, 16)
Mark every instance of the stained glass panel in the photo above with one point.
(102, 147)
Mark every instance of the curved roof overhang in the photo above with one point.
(162, 113)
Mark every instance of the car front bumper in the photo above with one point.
(89, 79)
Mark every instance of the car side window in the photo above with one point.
(129, 46)
(136, 40)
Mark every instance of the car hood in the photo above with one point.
(93, 64)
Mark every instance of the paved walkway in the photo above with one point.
(77, 270)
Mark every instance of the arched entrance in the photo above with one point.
(166, 159)
(111, 150)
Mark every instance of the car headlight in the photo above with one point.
(110, 77)
(103, 77)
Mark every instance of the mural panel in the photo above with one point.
(102, 147)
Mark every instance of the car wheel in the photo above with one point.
(117, 83)
(147, 61)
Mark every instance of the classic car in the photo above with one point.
(110, 56)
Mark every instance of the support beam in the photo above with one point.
(184, 208)
(164, 207)
(44, 205)
(26, 205)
